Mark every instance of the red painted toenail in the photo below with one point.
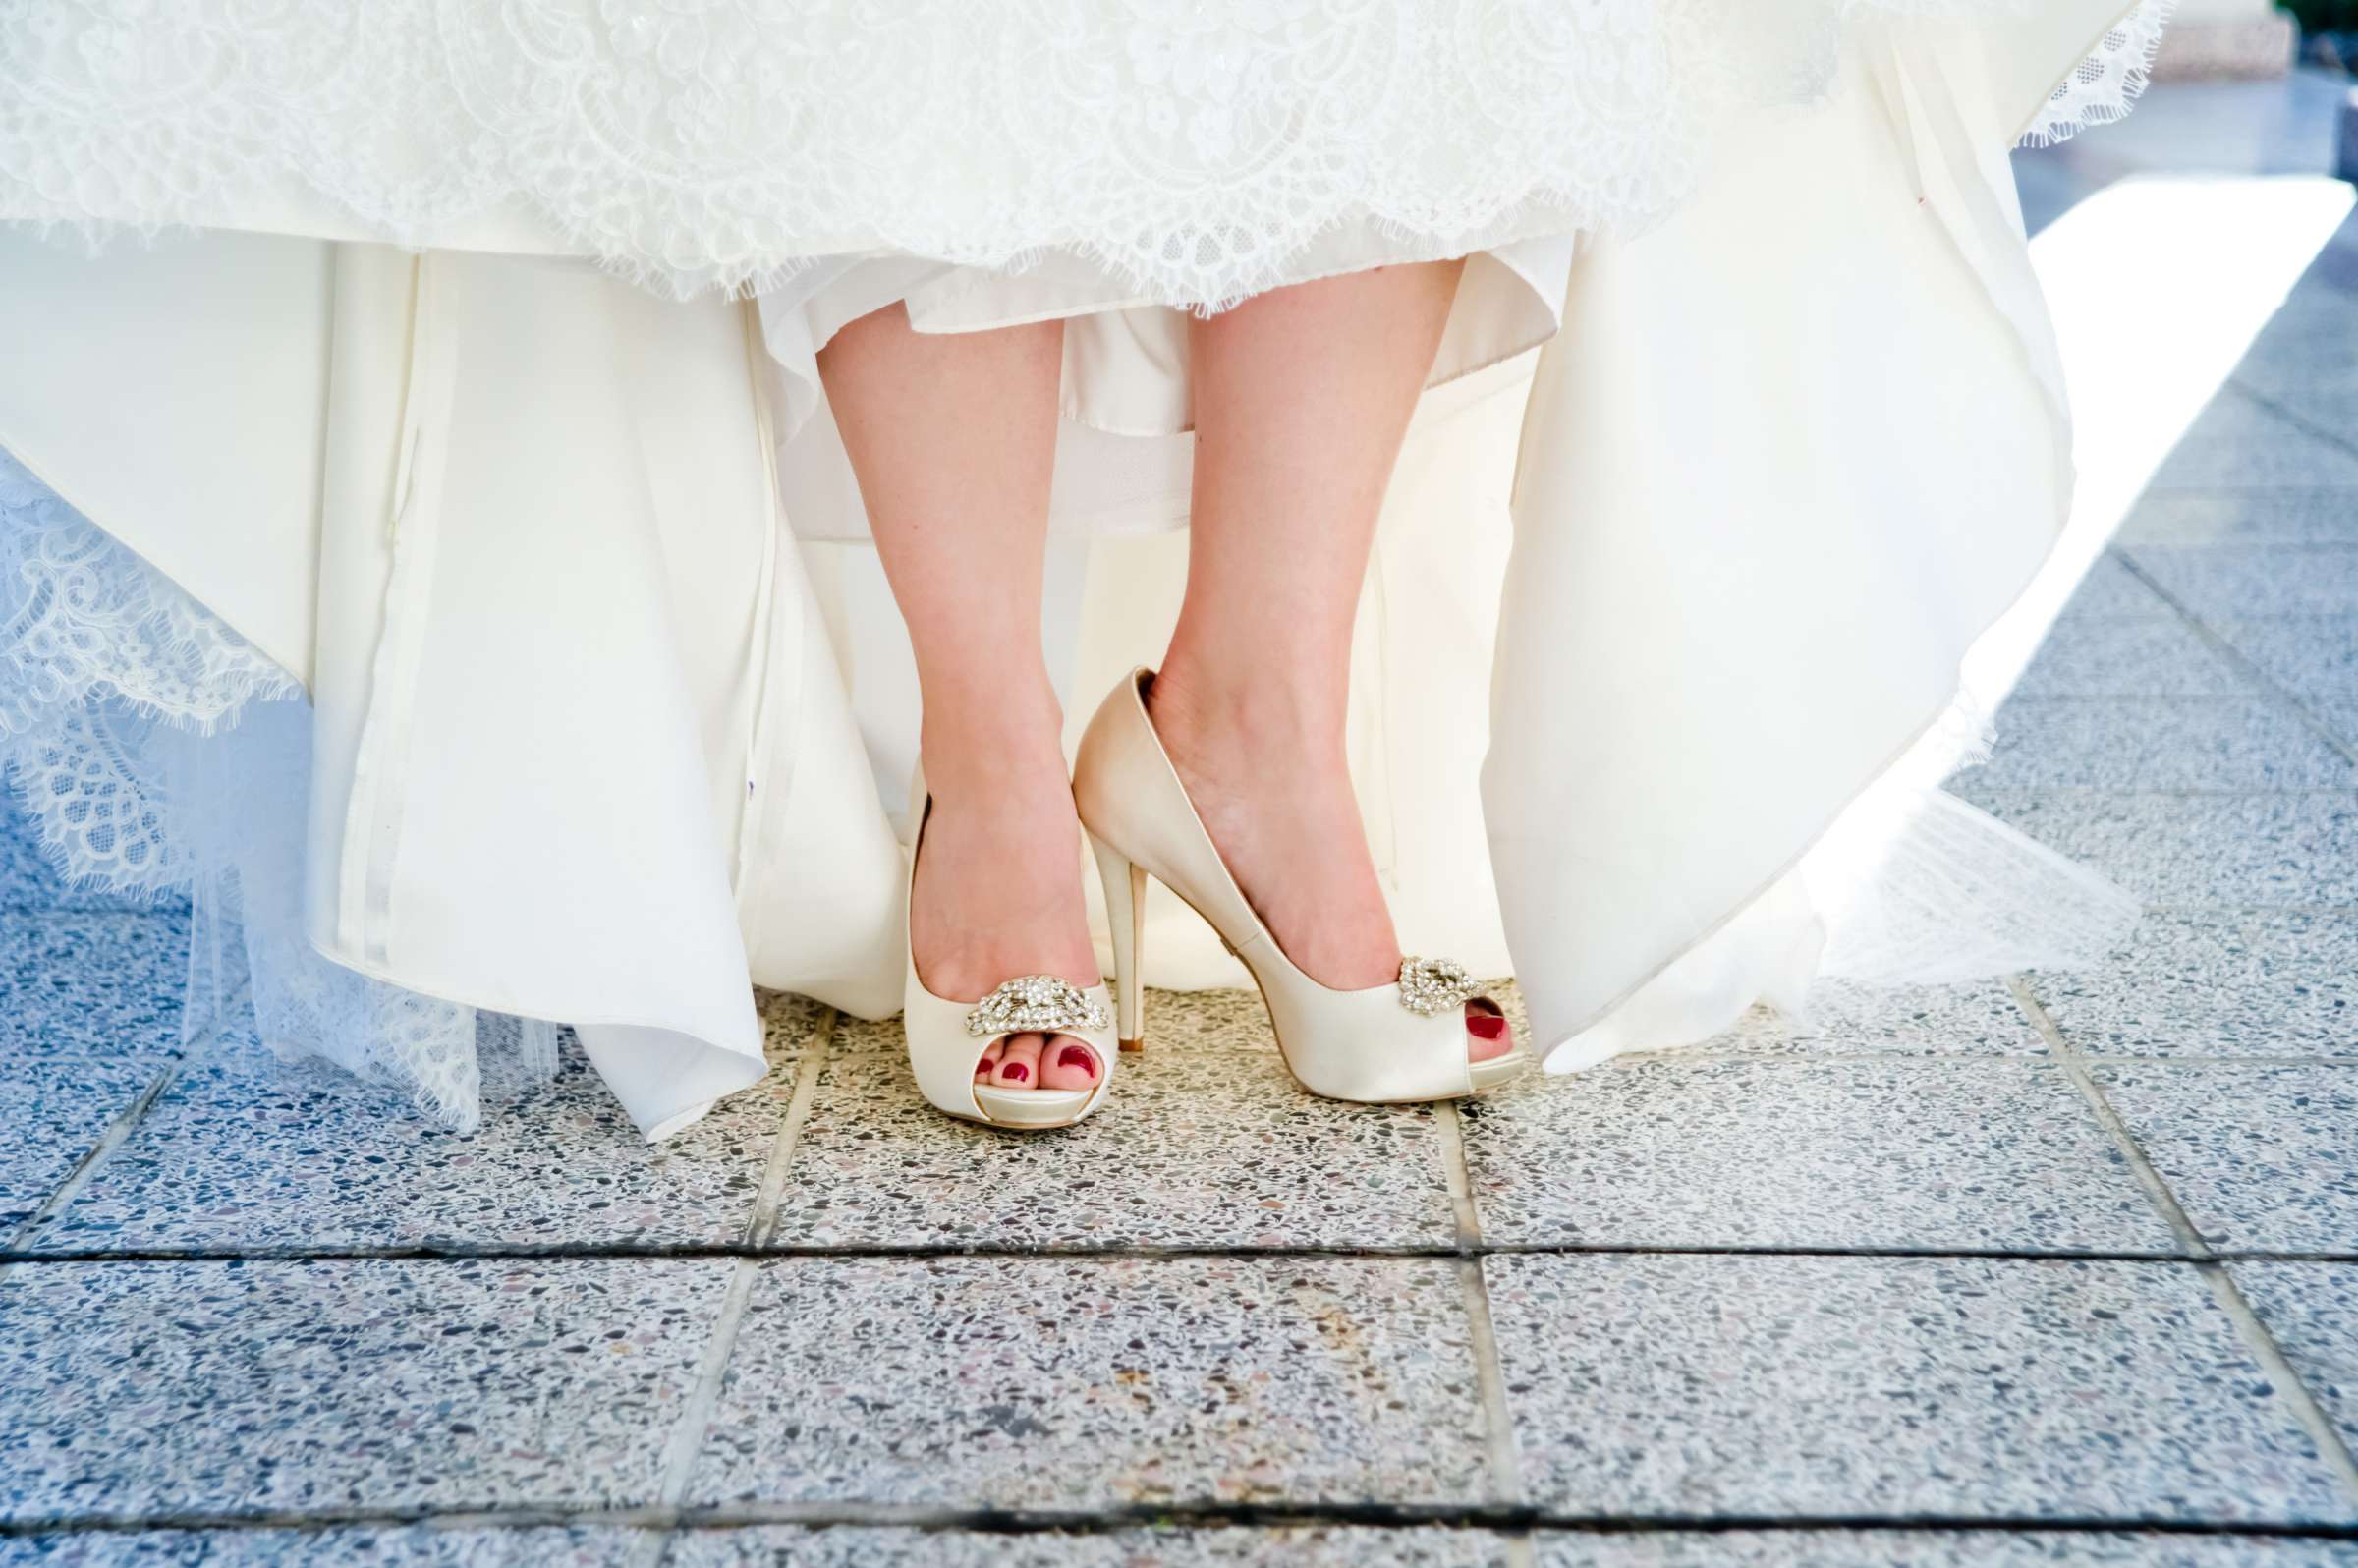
(1078, 1056)
(1017, 1072)
(1482, 1026)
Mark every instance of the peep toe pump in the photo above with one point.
(1399, 1042)
(947, 1039)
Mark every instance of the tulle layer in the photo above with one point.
(159, 752)
(1197, 152)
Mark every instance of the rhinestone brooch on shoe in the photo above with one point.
(1428, 985)
(1037, 1004)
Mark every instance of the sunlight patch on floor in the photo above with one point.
(2159, 286)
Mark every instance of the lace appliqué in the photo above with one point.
(97, 652)
(2105, 86)
(1196, 149)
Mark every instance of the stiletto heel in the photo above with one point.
(947, 1039)
(1126, 915)
(1401, 1042)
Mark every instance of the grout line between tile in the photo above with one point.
(119, 1129)
(2284, 1378)
(1085, 1252)
(1197, 1514)
(761, 1226)
(2294, 417)
(2179, 1059)
(695, 1419)
(1499, 1416)
(1450, 1129)
(2242, 663)
(2157, 1191)
(2262, 1345)
(1498, 1421)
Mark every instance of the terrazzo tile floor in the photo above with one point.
(2051, 1269)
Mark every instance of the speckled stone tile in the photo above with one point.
(2309, 334)
(1085, 1383)
(54, 1112)
(2261, 1159)
(1966, 1549)
(2340, 720)
(353, 1383)
(2311, 1311)
(2240, 444)
(78, 983)
(1183, 1023)
(400, 1546)
(792, 1024)
(1866, 1387)
(2315, 657)
(2280, 517)
(1939, 1155)
(2221, 850)
(1195, 1147)
(1336, 1547)
(26, 880)
(2307, 360)
(2234, 582)
(2217, 982)
(2140, 743)
(243, 1154)
(862, 1035)
(2096, 656)
(1848, 1019)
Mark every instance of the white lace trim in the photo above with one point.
(159, 752)
(1195, 148)
(96, 651)
(2106, 86)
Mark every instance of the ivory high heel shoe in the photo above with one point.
(947, 1039)
(1405, 1042)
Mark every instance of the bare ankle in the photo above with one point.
(992, 744)
(1230, 709)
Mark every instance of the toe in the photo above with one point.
(1488, 1036)
(1019, 1063)
(1066, 1063)
(989, 1063)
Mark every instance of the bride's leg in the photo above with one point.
(953, 437)
(1301, 399)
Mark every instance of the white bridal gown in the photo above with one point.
(425, 540)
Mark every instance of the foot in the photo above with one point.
(998, 891)
(1275, 791)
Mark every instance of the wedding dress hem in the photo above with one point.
(1692, 656)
